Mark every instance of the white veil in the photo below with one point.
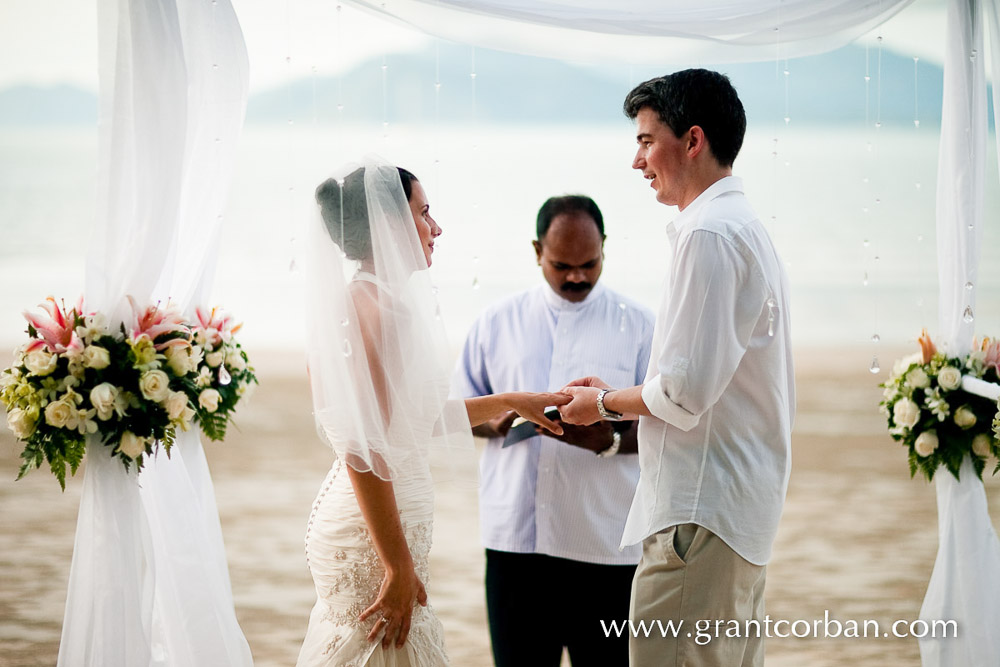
(378, 358)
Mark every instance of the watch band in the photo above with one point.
(616, 443)
(606, 414)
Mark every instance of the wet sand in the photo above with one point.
(858, 536)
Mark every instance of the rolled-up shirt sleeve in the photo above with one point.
(717, 296)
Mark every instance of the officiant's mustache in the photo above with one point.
(576, 287)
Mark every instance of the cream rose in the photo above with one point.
(235, 360)
(175, 404)
(950, 378)
(179, 360)
(96, 357)
(918, 379)
(964, 417)
(155, 385)
(103, 397)
(61, 414)
(21, 422)
(213, 359)
(926, 443)
(981, 445)
(906, 413)
(41, 362)
(209, 400)
(132, 445)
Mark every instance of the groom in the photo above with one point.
(715, 411)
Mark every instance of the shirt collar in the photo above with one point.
(686, 217)
(556, 302)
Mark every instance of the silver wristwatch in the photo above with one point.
(616, 443)
(606, 414)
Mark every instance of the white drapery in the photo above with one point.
(149, 583)
(645, 31)
(965, 584)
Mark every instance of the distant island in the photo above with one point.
(516, 89)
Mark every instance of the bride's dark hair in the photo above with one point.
(345, 211)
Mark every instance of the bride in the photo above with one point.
(379, 369)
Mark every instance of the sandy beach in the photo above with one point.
(858, 537)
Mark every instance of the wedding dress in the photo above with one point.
(347, 574)
(379, 371)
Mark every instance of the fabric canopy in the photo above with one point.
(965, 585)
(149, 583)
(643, 32)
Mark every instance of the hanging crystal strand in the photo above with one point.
(340, 75)
(290, 139)
(774, 141)
(475, 150)
(385, 99)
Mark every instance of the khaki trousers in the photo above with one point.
(690, 576)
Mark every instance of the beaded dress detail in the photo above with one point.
(347, 574)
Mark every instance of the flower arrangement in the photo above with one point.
(133, 386)
(938, 420)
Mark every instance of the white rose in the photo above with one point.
(103, 397)
(60, 414)
(235, 360)
(950, 378)
(964, 417)
(155, 385)
(906, 413)
(186, 417)
(132, 445)
(175, 404)
(179, 360)
(41, 362)
(209, 400)
(96, 357)
(981, 445)
(213, 359)
(926, 443)
(918, 379)
(21, 422)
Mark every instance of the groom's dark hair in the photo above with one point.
(695, 97)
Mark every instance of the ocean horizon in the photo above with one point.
(851, 212)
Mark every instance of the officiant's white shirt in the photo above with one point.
(542, 495)
(720, 384)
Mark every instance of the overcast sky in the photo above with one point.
(55, 41)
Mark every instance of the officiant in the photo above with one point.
(552, 507)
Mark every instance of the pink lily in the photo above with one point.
(57, 328)
(154, 322)
(992, 350)
(217, 325)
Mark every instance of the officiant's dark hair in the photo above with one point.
(554, 206)
(695, 97)
(345, 210)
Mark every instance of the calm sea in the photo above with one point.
(851, 211)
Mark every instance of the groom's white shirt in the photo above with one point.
(717, 451)
(542, 495)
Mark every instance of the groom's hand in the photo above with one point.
(582, 409)
(595, 438)
(590, 381)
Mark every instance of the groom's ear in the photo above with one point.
(537, 245)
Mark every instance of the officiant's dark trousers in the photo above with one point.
(539, 604)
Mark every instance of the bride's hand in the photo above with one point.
(532, 407)
(399, 593)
